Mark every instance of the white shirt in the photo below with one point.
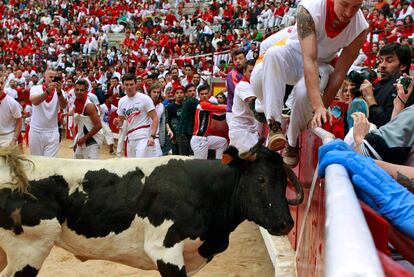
(328, 47)
(28, 111)
(105, 113)
(135, 110)
(11, 92)
(160, 110)
(44, 115)
(243, 117)
(10, 111)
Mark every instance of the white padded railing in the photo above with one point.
(349, 247)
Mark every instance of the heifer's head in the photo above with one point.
(262, 188)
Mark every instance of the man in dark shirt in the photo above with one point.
(174, 114)
(186, 123)
(395, 59)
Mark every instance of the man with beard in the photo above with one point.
(395, 59)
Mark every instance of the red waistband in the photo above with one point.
(140, 127)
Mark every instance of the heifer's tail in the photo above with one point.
(14, 159)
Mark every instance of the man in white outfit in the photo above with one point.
(10, 117)
(323, 27)
(47, 99)
(138, 110)
(89, 138)
(243, 128)
(107, 109)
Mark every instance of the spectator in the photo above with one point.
(186, 123)
(137, 110)
(11, 90)
(233, 77)
(174, 115)
(374, 185)
(243, 128)
(47, 99)
(89, 138)
(10, 117)
(202, 140)
(107, 109)
(221, 98)
(395, 59)
(155, 94)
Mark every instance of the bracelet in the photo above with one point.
(154, 136)
(401, 100)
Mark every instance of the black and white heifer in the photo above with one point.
(172, 213)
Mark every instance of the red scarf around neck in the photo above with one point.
(245, 79)
(2, 97)
(109, 106)
(330, 19)
(80, 104)
(49, 96)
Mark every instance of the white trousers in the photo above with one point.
(283, 65)
(229, 116)
(90, 152)
(138, 148)
(107, 132)
(44, 143)
(243, 140)
(121, 138)
(201, 145)
(6, 139)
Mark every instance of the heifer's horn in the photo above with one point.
(298, 187)
(251, 154)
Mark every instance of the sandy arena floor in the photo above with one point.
(246, 255)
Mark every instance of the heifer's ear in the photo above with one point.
(230, 156)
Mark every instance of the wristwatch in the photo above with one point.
(154, 136)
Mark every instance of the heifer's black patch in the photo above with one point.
(197, 196)
(170, 270)
(27, 271)
(108, 203)
(18, 209)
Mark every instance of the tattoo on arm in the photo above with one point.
(305, 23)
(405, 181)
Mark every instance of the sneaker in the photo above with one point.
(291, 156)
(277, 139)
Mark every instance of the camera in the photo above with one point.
(358, 77)
(406, 82)
(57, 79)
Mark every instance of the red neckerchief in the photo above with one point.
(330, 18)
(80, 104)
(109, 106)
(2, 97)
(49, 96)
(245, 79)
